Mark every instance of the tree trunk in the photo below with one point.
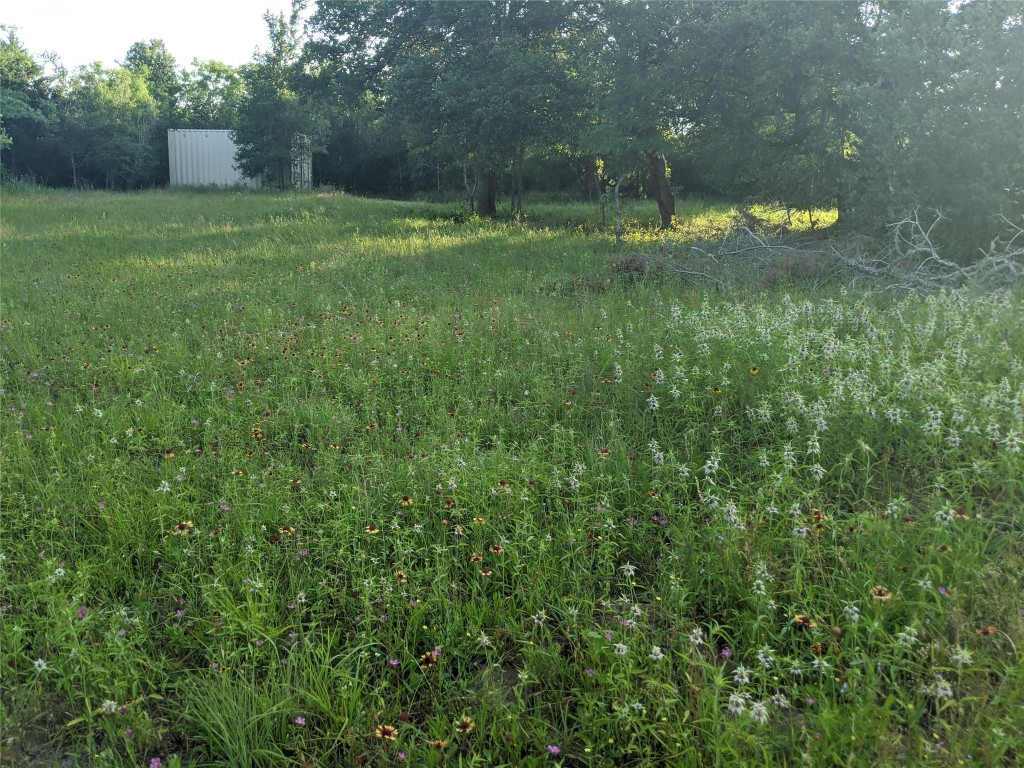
(488, 203)
(470, 190)
(517, 194)
(845, 210)
(618, 214)
(595, 189)
(662, 189)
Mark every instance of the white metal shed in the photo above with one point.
(200, 158)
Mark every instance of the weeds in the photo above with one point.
(314, 480)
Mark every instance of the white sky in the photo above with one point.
(84, 31)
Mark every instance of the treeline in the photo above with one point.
(871, 107)
(98, 127)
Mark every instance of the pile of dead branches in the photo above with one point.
(909, 262)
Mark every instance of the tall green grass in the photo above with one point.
(317, 480)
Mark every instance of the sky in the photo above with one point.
(83, 31)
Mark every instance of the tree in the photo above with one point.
(480, 83)
(210, 95)
(151, 61)
(157, 66)
(939, 119)
(365, 150)
(27, 106)
(766, 104)
(643, 108)
(276, 118)
(873, 107)
(105, 128)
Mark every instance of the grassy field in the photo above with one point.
(314, 480)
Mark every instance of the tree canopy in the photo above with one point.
(277, 120)
(479, 84)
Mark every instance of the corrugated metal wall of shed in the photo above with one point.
(200, 158)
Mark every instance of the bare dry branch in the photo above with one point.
(911, 262)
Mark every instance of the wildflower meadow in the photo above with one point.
(314, 480)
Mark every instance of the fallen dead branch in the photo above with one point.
(910, 262)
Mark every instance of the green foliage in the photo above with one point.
(769, 116)
(276, 121)
(106, 127)
(210, 96)
(25, 112)
(153, 62)
(479, 84)
(938, 122)
(642, 109)
(91, 127)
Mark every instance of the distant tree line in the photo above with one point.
(871, 107)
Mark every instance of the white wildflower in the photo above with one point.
(894, 415)
(939, 689)
(944, 515)
(741, 675)
(961, 656)
(737, 704)
(1013, 442)
(788, 457)
(759, 712)
(934, 424)
(907, 638)
(894, 508)
(712, 464)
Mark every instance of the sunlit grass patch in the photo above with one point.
(795, 220)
